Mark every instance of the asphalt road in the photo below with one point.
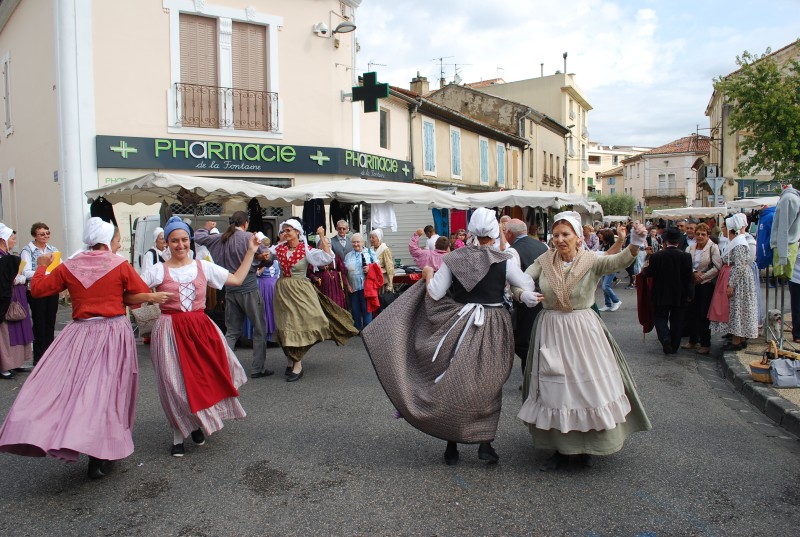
(323, 456)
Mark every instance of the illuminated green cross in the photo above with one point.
(319, 157)
(123, 149)
(405, 169)
(370, 92)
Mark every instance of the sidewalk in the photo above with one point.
(781, 405)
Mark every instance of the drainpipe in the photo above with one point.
(521, 132)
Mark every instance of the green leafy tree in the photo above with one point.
(765, 107)
(616, 204)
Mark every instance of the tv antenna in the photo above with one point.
(370, 64)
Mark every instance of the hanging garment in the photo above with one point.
(763, 249)
(164, 214)
(440, 221)
(313, 216)
(254, 213)
(102, 208)
(383, 216)
(458, 220)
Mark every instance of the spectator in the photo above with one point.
(340, 243)
(15, 335)
(590, 240)
(706, 262)
(425, 257)
(44, 308)
(356, 263)
(612, 302)
(385, 259)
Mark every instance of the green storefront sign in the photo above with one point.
(179, 154)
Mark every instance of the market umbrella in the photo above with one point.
(375, 191)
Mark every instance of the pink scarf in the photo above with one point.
(91, 265)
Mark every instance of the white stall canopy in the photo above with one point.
(370, 191)
(690, 212)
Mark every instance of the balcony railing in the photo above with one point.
(212, 107)
(664, 192)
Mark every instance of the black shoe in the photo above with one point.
(733, 347)
(95, 470)
(555, 462)
(178, 450)
(487, 453)
(198, 437)
(451, 454)
(260, 374)
(8, 375)
(292, 377)
(22, 369)
(666, 346)
(585, 460)
(288, 371)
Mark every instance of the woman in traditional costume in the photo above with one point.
(330, 279)
(15, 336)
(579, 396)
(303, 316)
(443, 350)
(734, 306)
(196, 372)
(384, 257)
(81, 396)
(267, 278)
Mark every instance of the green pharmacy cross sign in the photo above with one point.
(370, 92)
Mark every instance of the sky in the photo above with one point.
(646, 66)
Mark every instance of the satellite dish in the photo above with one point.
(456, 79)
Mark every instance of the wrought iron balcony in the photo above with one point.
(212, 107)
(664, 192)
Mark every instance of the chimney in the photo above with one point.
(419, 84)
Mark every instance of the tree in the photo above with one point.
(765, 106)
(616, 204)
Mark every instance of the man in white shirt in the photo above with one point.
(340, 243)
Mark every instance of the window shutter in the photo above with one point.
(251, 102)
(199, 96)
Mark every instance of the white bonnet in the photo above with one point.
(574, 220)
(483, 223)
(98, 231)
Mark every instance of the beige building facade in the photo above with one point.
(213, 89)
(604, 158)
(725, 152)
(559, 97)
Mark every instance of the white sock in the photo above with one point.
(177, 437)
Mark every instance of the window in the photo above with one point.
(612, 180)
(8, 124)
(552, 171)
(455, 153)
(223, 70)
(483, 146)
(428, 146)
(594, 159)
(531, 166)
(501, 164)
(384, 128)
(613, 190)
(615, 160)
(571, 110)
(558, 167)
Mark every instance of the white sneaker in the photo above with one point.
(615, 306)
(603, 308)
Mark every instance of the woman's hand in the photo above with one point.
(427, 272)
(254, 244)
(159, 297)
(622, 232)
(210, 225)
(730, 292)
(698, 277)
(44, 260)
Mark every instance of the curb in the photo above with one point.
(761, 395)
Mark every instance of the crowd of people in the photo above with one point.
(442, 350)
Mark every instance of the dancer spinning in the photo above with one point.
(81, 397)
(196, 372)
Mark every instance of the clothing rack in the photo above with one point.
(780, 283)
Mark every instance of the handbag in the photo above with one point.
(146, 317)
(15, 311)
(785, 373)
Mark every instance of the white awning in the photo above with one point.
(755, 203)
(373, 191)
(690, 212)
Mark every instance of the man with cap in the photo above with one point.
(673, 288)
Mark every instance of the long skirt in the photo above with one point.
(16, 336)
(267, 287)
(332, 287)
(172, 390)
(579, 395)
(719, 312)
(80, 397)
(458, 396)
(304, 316)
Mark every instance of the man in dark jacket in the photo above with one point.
(528, 249)
(673, 288)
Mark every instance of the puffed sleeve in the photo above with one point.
(319, 258)
(440, 283)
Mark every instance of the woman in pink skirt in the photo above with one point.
(198, 376)
(81, 396)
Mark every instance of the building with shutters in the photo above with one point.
(97, 92)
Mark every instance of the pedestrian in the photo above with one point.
(579, 396)
(158, 253)
(427, 257)
(197, 374)
(16, 335)
(734, 306)
(445, 348)
(612, 301)
(329, 279)
(673, 287)
(356, 263)
(244, 301)
(385, 259)
(461, 239)
(340, 243)
(706, 262)
(45, 308)
(81, 396)
(304, 317)
(590, 239)
(528, 250)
